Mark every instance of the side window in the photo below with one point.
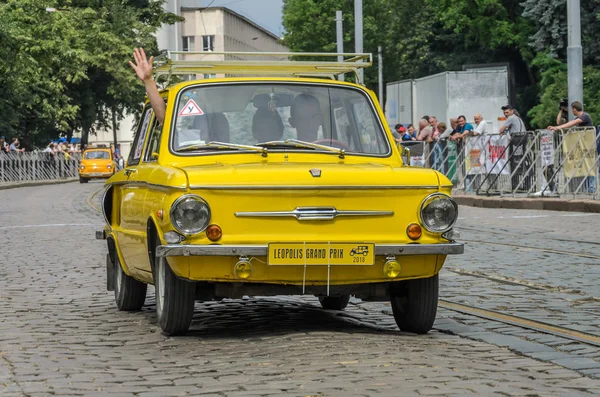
(140, 137)
(153, 145)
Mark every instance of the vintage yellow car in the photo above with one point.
(96, 162)
(279, 185)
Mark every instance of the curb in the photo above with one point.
(549, 204)
(14, 185)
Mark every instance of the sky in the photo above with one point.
(266, 13)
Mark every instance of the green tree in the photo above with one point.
(68, 69)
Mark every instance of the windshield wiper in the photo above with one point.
(223, 146)
(341, 152)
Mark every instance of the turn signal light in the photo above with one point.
(214, 232)
(414, 231)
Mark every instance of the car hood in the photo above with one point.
(308, 175)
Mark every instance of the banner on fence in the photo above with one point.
(579, 149)
(496, 159)
(547, 147)
(475, 155)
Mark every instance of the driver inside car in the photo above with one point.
(306, 117)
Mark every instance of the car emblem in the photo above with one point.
(315, 172)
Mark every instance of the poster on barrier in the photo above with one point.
(496, 158)
(475, 155)
(579, 149)
(547, 147)
(417, 153)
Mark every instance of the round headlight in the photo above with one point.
(438, 213)
(190, 214)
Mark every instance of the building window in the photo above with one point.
(210, 76)
(208, 43)
(189, 43)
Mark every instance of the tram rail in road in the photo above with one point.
(539, 326)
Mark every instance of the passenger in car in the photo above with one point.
(143, 69)
(306, 117)
(266, 125)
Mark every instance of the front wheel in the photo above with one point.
(334, 302)
(130, 294)
(175, 300)
(414, 304)
(83, 180)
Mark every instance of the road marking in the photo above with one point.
(51, 225)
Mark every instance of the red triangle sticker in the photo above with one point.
(191, 109)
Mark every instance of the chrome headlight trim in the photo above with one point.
(428, 200)
(181, 199)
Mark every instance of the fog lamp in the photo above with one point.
(413, 231)
(243, 269)
(392, 268)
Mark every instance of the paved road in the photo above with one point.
(61, 334)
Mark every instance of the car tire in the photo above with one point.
(175, 300)
(130, 294)
(83, 180)
(414, 304)
(334, 302)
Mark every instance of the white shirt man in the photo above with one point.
(482, 127)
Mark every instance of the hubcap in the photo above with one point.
(160, 287)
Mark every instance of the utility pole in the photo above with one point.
(380, 75)
(358, 34)
(574, 54)
(339, 29)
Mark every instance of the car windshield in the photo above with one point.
(269, 114)
(96, 155)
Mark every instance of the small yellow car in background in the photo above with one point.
(96, 163)
(278, 185)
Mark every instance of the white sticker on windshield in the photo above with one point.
(191, 109)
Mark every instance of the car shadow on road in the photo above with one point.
(269, 316)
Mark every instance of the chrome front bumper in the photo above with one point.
(262, 250)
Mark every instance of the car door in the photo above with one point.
(130, 193)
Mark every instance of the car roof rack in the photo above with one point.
(265, 64)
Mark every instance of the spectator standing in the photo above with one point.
(3, 145)
(481, 126)
(425, 131)
(410, 134)
(15, 146)
(513, 122)
(582, 119)
(463, 128)
(433, 121)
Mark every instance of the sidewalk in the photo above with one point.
(526, 203)
(12, 185)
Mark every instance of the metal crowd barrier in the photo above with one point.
(21, 167)
(561, 163)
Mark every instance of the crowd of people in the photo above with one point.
(431, 130)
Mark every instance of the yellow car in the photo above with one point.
(96, 163)
(275, 186)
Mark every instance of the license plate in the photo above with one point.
(96, 174)
(319, 254)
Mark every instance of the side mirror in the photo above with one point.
(405, 153)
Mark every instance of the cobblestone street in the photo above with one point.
(62, 335)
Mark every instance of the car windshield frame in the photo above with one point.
(386, 144)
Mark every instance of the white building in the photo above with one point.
(213, 29)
